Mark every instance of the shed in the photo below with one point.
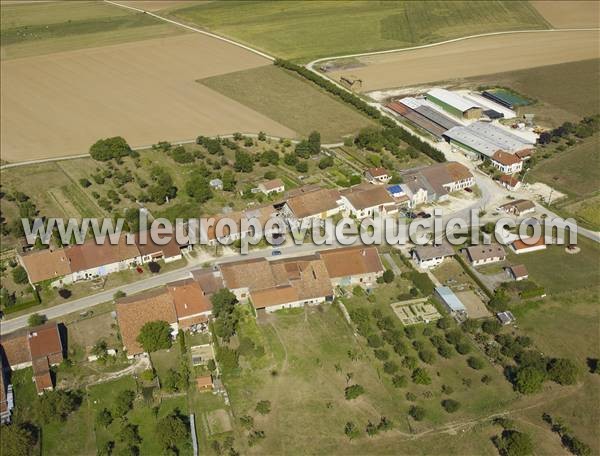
(450, 300)
(204, 383)
(506, 318)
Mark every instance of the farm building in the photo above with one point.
(481, 140)
(39, 347)
(518, 207)
(520, 246)
(517, 272)
(272, 186)
(485, 254)
(378, 175)
(450, 301)
(358, 265)
(511, 183)
(365, 200)
(507, 163)
(454, 104)
(504, 98)
(435, 182)
(428, 256)
(423, 114)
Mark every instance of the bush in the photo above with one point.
(36, 320)
(492, 327)
(563, 371)
(475, 363)
(417, 412)
(421, 377)
(399, 381)
(374, 341)
(463, 348)
(109, 148)
(353, 391)
(388, 276)
(19, 275)
(381, 354)
(529, 380)
(450, 405)
(390, 367)
(427, 356)
(154, 267)
(64, 293)
(514, 443)
(263, 407)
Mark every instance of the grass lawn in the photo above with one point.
(576, 171)
(291, 101)
(303, 373)
(306, 30)
(558, 271)
(163, 360)
(37, 28)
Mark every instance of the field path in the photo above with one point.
(194, 29)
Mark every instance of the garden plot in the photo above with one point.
(415, 311)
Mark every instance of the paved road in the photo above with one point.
(81, 304)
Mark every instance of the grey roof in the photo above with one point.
(450, 299)
(505, 317)
(437, 117)
(452, 99)
(428, 252)
(487, 138)
(482, 252)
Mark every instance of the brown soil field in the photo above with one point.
(571, 13)
(59, 104)
(473, 57)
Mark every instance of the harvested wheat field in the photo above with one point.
(571, 13)
(473, 57)
(59, 104)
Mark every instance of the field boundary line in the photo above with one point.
(453, 40)
(197, 30)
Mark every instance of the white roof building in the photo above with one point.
(453, 99)
(486, 138)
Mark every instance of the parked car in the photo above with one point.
(276, 253)
(423, 215)
(468, 190)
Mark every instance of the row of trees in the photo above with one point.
(585, 128)
(367, 109)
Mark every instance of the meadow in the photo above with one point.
(469, 58)
(37, 28)
(308, 30)
(289, 100)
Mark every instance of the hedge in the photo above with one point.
(468, 270)
(364, 107)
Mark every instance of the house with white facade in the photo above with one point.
(311, 203)
(436, 182)
(365, 200)
(485, 254)
(272, 186)
(507, 163)
(429, 256)
(356, 265)
(377, 175)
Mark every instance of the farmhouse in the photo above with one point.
(359, 265)
(182, 304)
(90, 259)
(509, 182)
(450, 301)
(485, 254)
(517, 272)
(377, 175)
(454, 104)
(435, 182)
(192, 305)
(481, 140)
(520, 246)
(272, 186)
(39, 347)
(242, 276)
(507, 163)
(311, 204)
(365, 200)
(226, 229)
(151, 251)
(47, 264)
(300, 281)
(518, 207)
(429, 256)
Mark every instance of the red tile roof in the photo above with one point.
(46, 264)
(350, 261)
(504, 158)
(92, 255)
(521, 245)
(44, 340)
(188, 298)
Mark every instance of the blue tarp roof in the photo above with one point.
(395, 189)
(450, 299)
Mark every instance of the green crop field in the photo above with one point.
(291, 101)
(38, 28)
(307, 30)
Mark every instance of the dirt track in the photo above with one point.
(473, 57)
(60, 104)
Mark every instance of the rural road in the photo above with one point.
(81, 304)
